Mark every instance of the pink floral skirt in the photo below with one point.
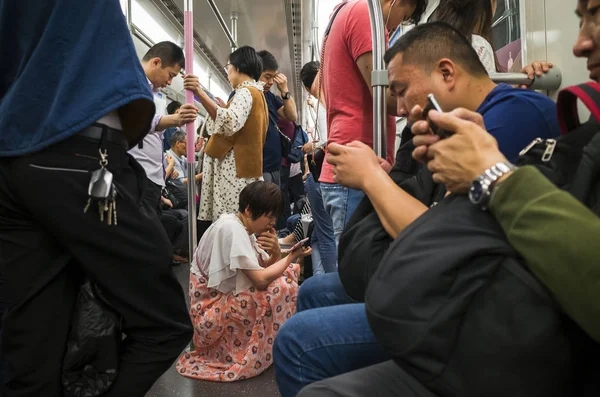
(233, 335)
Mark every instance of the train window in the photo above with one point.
(506, 34)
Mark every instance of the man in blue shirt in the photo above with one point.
(72, 90)
(432, 58)
(285, 109)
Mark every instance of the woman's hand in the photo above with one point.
(536, 69)
(301, 252)
(461, 158)
(192, 83)
(269, 242)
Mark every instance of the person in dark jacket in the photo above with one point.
(49, 234)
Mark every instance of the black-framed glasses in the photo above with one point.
(225, 67)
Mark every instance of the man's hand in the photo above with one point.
(536, 69)
(166, 202)
(221, 102)
(174, 174)
(187, 114)
(353, 164)
(461, 158)
(199, 176)
(269, 242)
(385, 165)
(282, 82)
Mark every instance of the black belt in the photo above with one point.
(96, 131)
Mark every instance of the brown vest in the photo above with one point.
(248, 142)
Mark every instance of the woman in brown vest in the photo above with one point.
(233, 155)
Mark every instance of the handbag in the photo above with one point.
(176, 192)
(91, 362)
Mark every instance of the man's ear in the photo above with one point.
(447, 70)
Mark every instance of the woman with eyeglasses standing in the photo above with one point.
(233, 154)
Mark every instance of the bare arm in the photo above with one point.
(167, 122)
(186, 114)
(396, 208)
(365, 66)
(261, 278)
(357, 167)
(170, 167)
(288, 110)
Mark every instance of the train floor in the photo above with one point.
(175, 385)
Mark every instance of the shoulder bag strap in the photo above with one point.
(566, 106)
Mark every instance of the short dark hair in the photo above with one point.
(269, 61)
(170, 54)
(172, 107)
(178, 136)
(426, 44)
(309, 72)
(247, 61)
(261, 198)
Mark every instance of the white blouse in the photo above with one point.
(224, 249)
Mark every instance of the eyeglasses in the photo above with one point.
(225, 67)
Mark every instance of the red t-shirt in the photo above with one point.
(348, 98)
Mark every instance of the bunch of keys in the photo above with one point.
(102, 192)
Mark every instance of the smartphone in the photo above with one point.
(432, 104)
(299, 244)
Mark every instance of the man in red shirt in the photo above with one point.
(347, 69)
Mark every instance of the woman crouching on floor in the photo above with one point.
(241, 290)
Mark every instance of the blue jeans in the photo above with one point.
(329, 336)
(324, 254)
(340, 203)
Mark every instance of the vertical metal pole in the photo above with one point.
(234, 30)
(129, 16)
(379, 79)
(188, 26)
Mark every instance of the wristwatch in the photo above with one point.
(482, 187)
(286, 96)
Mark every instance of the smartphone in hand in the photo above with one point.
(299, 244)
(432, 104)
